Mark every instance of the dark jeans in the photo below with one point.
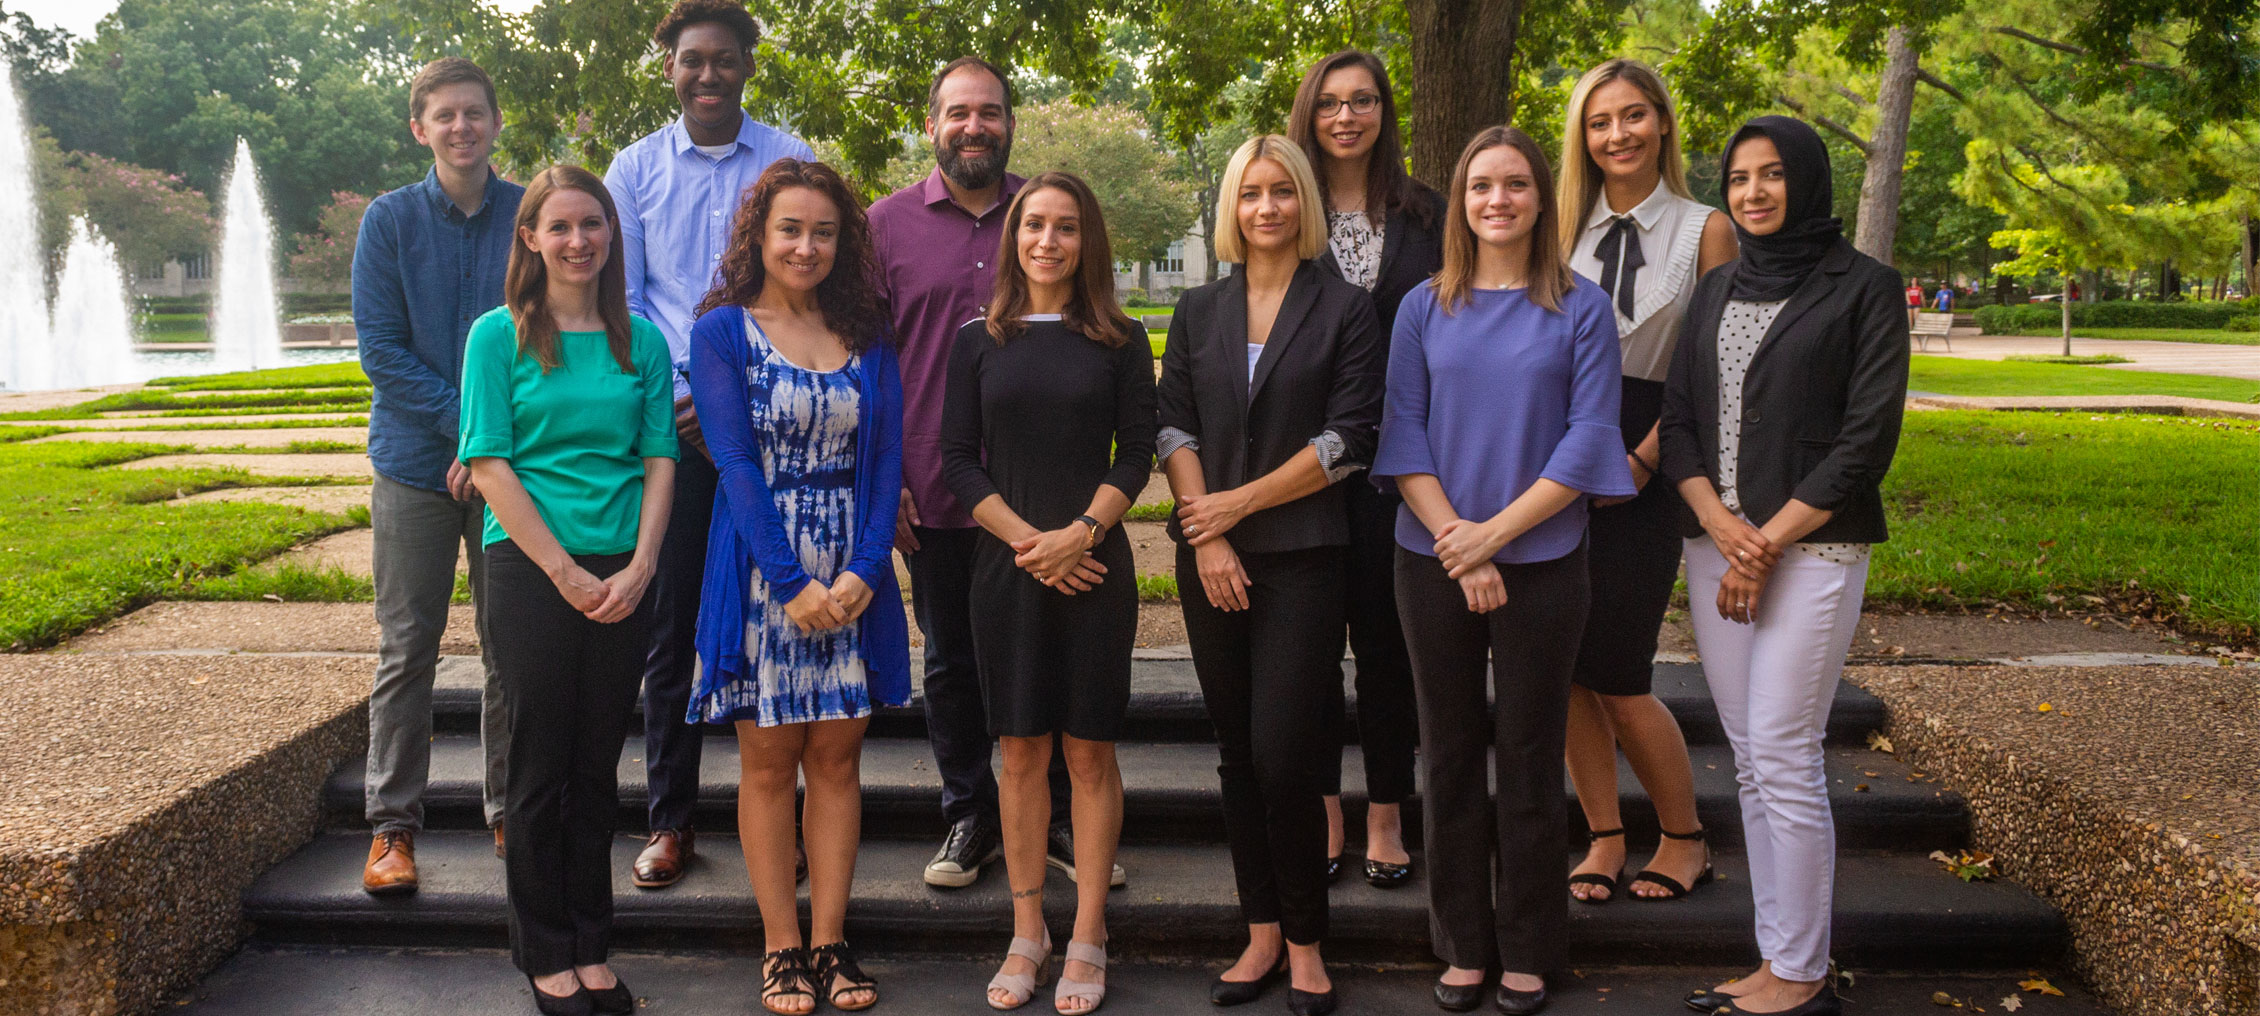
(957, 724)
(671, 746)
(1264, 674)
(1516, 845)
(1387, 727)
(571, 685)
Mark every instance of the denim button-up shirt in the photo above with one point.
(422, 272)
(676, 207)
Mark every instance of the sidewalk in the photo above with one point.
(2163, 357)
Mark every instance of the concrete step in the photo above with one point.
(289, 981)
(1896, 911)
(1170, 793)
(1165, 704)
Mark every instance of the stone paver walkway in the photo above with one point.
(266, 437)
(2163, 357)
(345, 464)
(321, 499)
(114, 422)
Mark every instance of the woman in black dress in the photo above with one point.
(1048, 432)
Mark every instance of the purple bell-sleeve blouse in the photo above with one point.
(1490, 399)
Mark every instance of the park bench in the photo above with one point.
(1930, 326)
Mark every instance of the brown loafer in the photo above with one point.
(391, 868)
(665, 856)
(498, 840)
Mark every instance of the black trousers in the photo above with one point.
(957, 723)
(571, 686)
(1386, 727)
(1633, 557)
(671, 746)
(1265, 674)
(1516, 844)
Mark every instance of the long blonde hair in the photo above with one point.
(1581, 176)
(1547, 277)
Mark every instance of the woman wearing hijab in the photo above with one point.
(1780, 418)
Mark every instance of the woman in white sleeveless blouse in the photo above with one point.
(1631, 227)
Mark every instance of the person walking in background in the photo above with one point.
(1944, 303)
(937, 244)
(1631, 228)
(678, 190)
(568, 428)
(1048, 433)
(1914, 300)
(801, 631)
(1383, 234)
(1270, 392)
(430, 258)
(1500, 421)
(1780, 419)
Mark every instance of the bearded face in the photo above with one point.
(973, 152)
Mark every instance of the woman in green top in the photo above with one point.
(568, 425)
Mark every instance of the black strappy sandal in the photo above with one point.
(786, 975)
(1671, 885)
(837, 974)
(1597, 879)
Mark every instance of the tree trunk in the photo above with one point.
(2064, 300)
(1462, 74)
(1887, 148)
(2251, 251)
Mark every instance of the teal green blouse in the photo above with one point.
(576, 436)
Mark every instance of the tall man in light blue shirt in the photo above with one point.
(678, 189)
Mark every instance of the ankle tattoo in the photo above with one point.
(1022, 894)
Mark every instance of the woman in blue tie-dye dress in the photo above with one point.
(801, 630)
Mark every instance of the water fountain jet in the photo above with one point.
(246, 333)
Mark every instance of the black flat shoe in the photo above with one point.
(1708, 1000)
(616, 1000)
(1383, 875)
(1225, 992)
(576, 1004)
(1459, 997)
(1333, 869)
(1824, 1004)
(1519, 1003)
(1310, 1003)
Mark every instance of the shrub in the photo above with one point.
(2244, 323)
(2046, 318)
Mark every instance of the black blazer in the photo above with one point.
(1821, 401)
(1410, 253)
(1320, 370)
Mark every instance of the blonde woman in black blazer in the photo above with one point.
(1270, 393)
(1780, 417)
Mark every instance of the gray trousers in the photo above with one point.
(418, 533)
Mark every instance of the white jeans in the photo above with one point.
(1773, 681)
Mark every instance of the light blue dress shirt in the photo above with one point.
(676, 206)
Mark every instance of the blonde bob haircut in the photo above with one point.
(1310, 226)
(1581, 177)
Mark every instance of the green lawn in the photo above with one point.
(172, 328)
(83, 544)
(2045, 508)
(2215, 336)
(246, 402)
(1951, 376)
(319, 375)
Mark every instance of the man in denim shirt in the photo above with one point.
(429, 260)
(678, 190)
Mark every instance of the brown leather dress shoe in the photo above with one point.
(391, 868)
(498, 840)
(665, 856)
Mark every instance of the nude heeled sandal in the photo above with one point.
(1094, 991)
(1022, 987)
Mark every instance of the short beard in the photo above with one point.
(975, 173)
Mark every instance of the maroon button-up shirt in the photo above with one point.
(938, 264)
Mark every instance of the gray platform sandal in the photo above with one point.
(1022, 987)
(1094, 992)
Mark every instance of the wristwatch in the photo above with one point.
(1097, 530)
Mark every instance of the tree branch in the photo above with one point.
(1841, 131)
(1936, 82)
(2065, 47)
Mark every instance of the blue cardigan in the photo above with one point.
(747, 532)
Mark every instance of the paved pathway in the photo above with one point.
(2164, 357)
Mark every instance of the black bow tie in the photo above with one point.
(1621, 262)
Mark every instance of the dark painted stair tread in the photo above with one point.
(1171, 792)
(291, 981)
(1895, 910)
(1165, 704)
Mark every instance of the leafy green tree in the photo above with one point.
(1147, 204)
(149, 215)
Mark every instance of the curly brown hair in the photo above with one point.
(730, 14)
(848, 297)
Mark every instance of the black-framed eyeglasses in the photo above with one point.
(1359, 104)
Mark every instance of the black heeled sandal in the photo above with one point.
(1596, 878)
(786, 975)
(838, 974)
(1671, 885)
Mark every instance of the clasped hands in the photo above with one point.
(1750, 558)
(1060, 558)
(606, 600)
(1464, 549)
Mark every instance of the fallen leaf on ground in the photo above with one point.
(2012, 1003)
(2041, 985)
(1879, 742)
(1944, 999)
(2046, 708)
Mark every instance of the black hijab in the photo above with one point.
(1774, 265)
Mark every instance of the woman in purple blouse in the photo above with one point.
(1500, 421)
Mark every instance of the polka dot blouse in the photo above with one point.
(1741, 328)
